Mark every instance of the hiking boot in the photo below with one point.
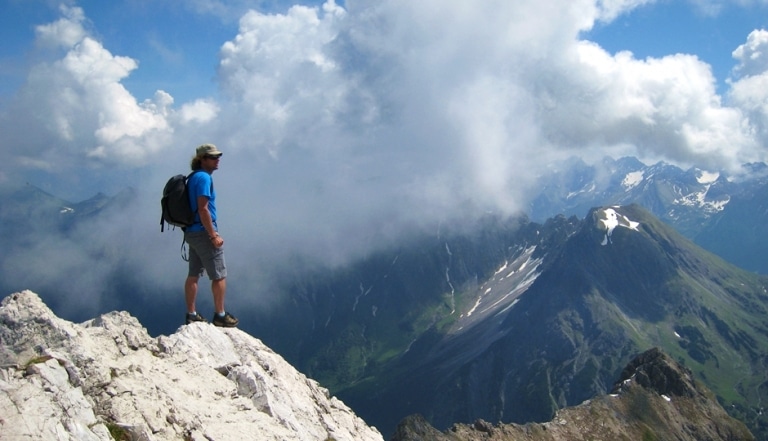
(226, 321)
(196, 317)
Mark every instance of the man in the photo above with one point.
(206, 247)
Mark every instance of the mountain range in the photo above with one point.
(515, 318)
(521, 320)
(107, 379)
(722, 212)
(655, 399)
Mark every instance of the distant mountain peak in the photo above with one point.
(607, 219)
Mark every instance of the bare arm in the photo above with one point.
(207, 221)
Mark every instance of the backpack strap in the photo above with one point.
(184, 253)
(189, 176)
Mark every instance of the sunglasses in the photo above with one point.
(212, 156)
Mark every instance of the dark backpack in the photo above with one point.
(175, 203)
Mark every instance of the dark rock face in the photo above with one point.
(416, 428)
(655, 371)
(655, 399)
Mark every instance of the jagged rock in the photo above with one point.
(483, 426)
(108, 378)
(655, 399)
(416, 428)
(655, 371)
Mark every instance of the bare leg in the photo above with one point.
(190, 292)
(219, 289)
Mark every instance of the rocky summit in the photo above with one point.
(108, 379)
(654, 399)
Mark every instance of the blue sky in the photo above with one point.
(344, 124)
(672, 27)
(176, 48)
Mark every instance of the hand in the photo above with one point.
(217, 240)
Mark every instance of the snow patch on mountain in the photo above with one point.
(632, 180)
(706, 177)
(699, 199)
(608, 219)
(502, 291)
(589, 188)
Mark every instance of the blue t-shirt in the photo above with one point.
(201, 184)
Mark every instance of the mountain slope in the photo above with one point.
(607, 293)
(340, 327)
(28, 210)
(739, 233)
(654, 399)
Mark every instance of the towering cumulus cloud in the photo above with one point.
(345, 125)
(76, 106)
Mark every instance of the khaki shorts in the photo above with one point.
(203, 256)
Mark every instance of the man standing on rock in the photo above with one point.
(206, 247)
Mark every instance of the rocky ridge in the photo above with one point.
(655, 399)
(107, 379)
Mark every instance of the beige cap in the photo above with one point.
(208, 150)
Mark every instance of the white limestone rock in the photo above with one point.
(66, 381)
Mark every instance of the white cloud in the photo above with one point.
(394, 113)
(199, 111)
(64, 32)
(750, 91)
(76, 106)
(610, 9)
(343, 127)
(714, 7)
(666, 107)
(276, 73)
(752, 55)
